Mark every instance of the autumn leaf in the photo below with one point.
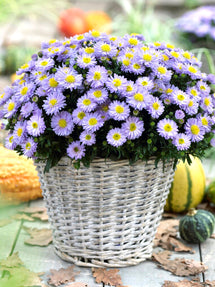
(39, 237)
(178, 266)
(42, 216)
(36, 212)
(179, 246)
(169, 215)
(109, 277)
(77, 284)
(183, 283)
(62, 275)
(22, 217)
(11, 261)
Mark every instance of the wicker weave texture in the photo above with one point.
(105, 215)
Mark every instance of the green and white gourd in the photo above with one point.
(196, 226)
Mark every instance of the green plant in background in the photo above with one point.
(139, 17)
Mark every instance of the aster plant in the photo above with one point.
(96, 95)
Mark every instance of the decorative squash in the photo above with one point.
(99, 20)
(188, 187)
(19, 181)
(210, 192)
(196, 226)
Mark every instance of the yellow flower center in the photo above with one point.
(53, 83)
(132, 127)
(193, 70)
(144, 83)
(113, 38)
(24, 91)
(133, 41)
(81, 115)
(105, 108)
(117, 82)
(95, 33)
(42, 77)
(157, 44)
(116, 136)
(53, 102)
(170, 46)
(136, 66)
(204, 122)
(44, 63)
(207, 102)
(175, 54)
(11, 106)
(129, 55)
(2, 96)
(181, 141)
(168, 128)
(195, 129)
(19, 132)
(86, 60)
(86, 102)
(97, 94)
(187, 55)
(52, 41)
(119, 109)
(181, 97)
(190, 104)
(106, 48)
(89, 50)
(165, 57)
(168, 91)
(11, 139)
(194, 92)
(88, 137)
(62, 123)
(25, 66)
(93, 121)
(70, 79)
(139, 97)
(97, 76)
(144, 48)
(28, 146)
(126, 62)
(80, 37)
(155, 106)
(147, 57)
(35, 125)
(202, 88)
(73, 46)
(161, 70)
(129, 88)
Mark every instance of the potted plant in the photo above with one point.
(106, 119)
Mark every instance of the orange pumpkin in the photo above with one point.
(99, 20)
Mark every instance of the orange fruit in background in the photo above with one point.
(73, 22)
(99, 20)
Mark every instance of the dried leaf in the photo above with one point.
(4, 222)
(22, 217)
(179, 266)
(11, 261)
(33, 210)
(62, 275)
(109, 277)
(183, 283)
(77, 284)
(39, 237)
(179, 246)
(169, 215)
(210, 283)
(42, 216)
(167, 227)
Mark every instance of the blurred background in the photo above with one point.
(25, 24)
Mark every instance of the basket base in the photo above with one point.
(84, 262)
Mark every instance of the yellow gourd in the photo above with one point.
(19, 180)
(188, 187)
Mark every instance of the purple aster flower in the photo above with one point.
(8, 92)
(212, 142)
(180, 98)
(27, 109)
(119, 110)
(103, 49)
(206, 104)
(167, 128)
(92, 122)
(205, 120)
(10, 143)
(136, 68)
(86, 61)
(179, 114)
(181, 141)
(194, 93)
(19, 132)
(194, 129)
(192, 71)
(36, 125)
(78, 115)
(203, 88)
(25, 92)
(116, 137)
(97, 76)
(162, 73)
(155, 107)
(76, 150)
(86, 104)
(129, 88)
(211, 78)
(54, 102)
(45, 64)
(87, 138)
(62, 123)
(145, 82)
(98, 95)
(192, 107)
(133, 128)
(26, 67)
(69, 79)
(10, 108)
(116, 83)
(29, 147)
(139, 99)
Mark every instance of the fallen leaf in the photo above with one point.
(179, 246)
(183, 283)
(77, 284)
(4, 222)
(22, 217)
(42, 216)
(33, 209)
(169, 215)
(39, 237)
(11, 261)
(167, 227)
(210, 283)
(62, 275)
(109, 277)
(178, 266)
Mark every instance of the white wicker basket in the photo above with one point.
(105, 215)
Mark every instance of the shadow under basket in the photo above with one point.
(107, 214)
